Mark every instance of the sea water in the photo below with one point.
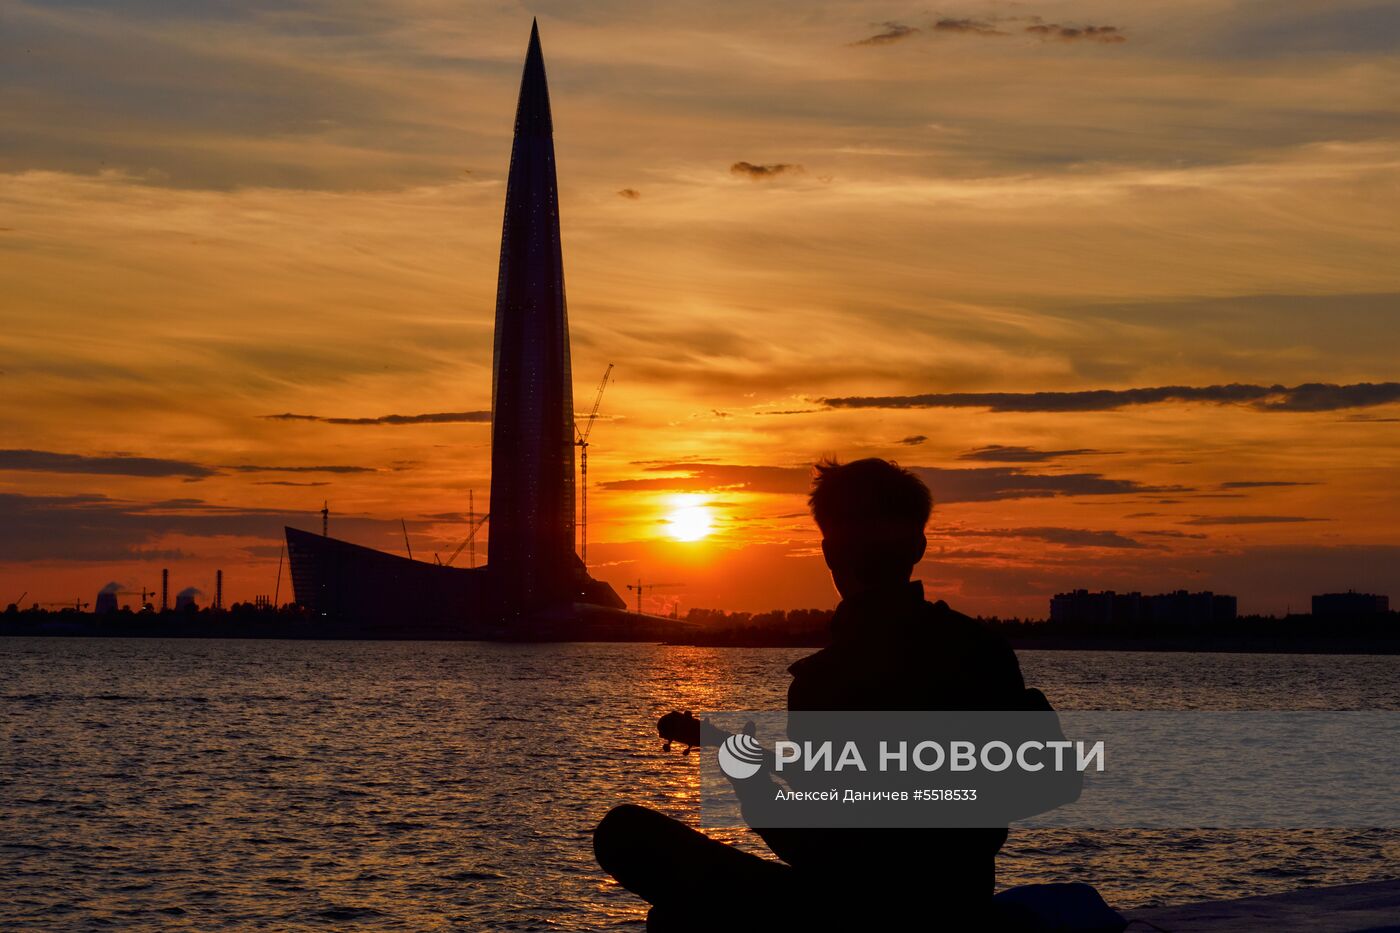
(289, 785)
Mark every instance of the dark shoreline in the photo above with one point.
(653, 631)
(1220, 646)
(1225, 645)
(1295, 634)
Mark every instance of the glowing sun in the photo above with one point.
(690, 520)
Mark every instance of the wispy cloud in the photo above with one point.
(695, 477)
(1312, 396)
(439, 417)
(977, 484)
(1068, 537)
(287, 482)
(975, 27)
(1168, 533)
(892, 32)
(1249, 520)
(765, 171)
(999, 453)
(988, 484)
(1263, 484)
(630, 194)
(997, 27)
(1109, 34)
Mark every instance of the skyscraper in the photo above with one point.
(531, 570)
(531, 546)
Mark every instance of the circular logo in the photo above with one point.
(740, 756)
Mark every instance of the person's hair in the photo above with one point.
(867, 495)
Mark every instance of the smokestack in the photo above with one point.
(218, 589)
(165, 589)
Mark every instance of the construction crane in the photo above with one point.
(480, 523)
(404, 525)
(471, 519)
(77, 604)
(581, 441)
(277, 589)
(639, 586)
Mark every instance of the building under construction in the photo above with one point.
(533, 574)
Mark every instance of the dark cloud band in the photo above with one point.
(1067, 537)
(92, 527)
(1249, 520)
(47, 461)
(255, 468)
(1312, 396)
(437, 417)
(999, 453)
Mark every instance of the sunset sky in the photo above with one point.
(1119, 280)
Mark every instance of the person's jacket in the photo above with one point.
(894, 650)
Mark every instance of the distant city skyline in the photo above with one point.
(1075, 605)
(1125, 298)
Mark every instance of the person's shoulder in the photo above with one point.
(948, 622)
(811, 664)
(820, 681)
(944, 611)
(987, 656)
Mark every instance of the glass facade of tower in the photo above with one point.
(531, 544)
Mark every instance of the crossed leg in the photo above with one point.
(691, 880)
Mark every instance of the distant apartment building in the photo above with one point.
(1349, 603)
(1110, 608)
(1107, 607)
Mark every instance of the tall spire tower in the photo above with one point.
(531, 564)
(530, 551)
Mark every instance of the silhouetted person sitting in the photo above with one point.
(890, 650)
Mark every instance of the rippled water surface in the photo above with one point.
(206, 785)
